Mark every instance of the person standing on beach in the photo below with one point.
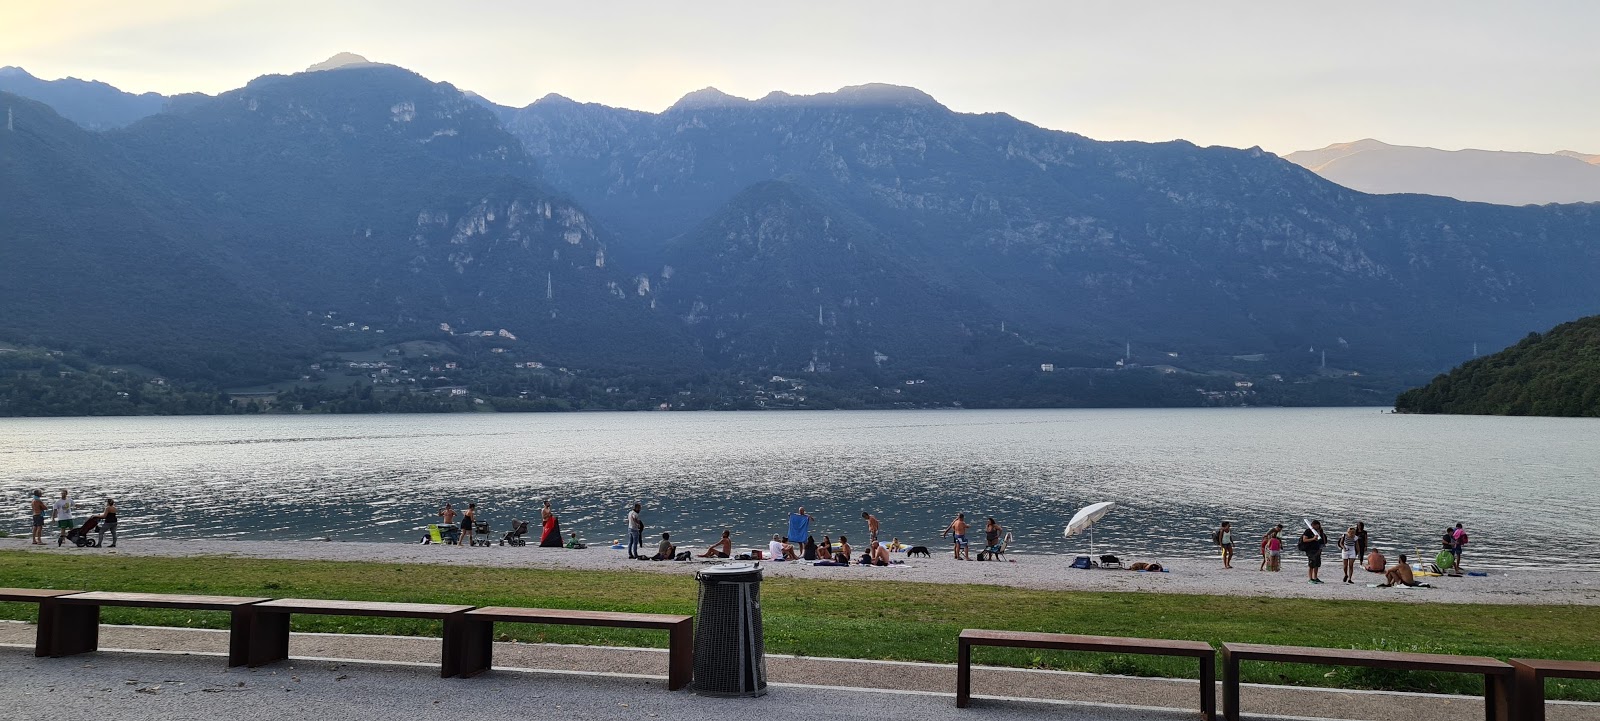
(1311, 543)
(1224, 538)
(635, 531)
(63, 515)
(872, 526)
(958, 532)
(1458, 541)
(1274, 548)
(1349, 551)
(1361, 539)
(468, 522)
(37, 508)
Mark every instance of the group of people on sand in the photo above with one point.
(61, 513)
(467, 522)
(1354, 546)
(789, 547)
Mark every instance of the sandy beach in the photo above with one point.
(1518, 586)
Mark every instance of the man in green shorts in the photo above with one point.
(63, 516)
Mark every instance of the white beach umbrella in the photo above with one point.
(1085, 520)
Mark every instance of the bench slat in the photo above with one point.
(506, 614)
(27, 595)
(160, 600)
(1560, 667)
(1362, 657)
(1075, 642)
(362, 608)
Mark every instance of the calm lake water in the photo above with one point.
(1525, 487)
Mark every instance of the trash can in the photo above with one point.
(730, 658)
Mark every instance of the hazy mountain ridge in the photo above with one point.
(89, 103)
(1489, 176)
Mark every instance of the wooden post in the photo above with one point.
(77, 629)
(963, 673)
(1208, 688)
(680, 655)
(1230, 685)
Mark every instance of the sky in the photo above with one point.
(1282, 75)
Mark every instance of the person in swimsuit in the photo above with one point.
(992, 533)
(878, 555)
(1400, 575)
(958, 532)
(468, 520)
(1273, 545)
(872, 526)
(1349, 551)
(842, 555)
(825, 549)
(722, 548)
(37, 507)
(550, 536)
(1225, 540)
(1458, 541)
(809, 550)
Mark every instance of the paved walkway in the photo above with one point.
(400, 676)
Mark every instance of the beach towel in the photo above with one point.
(827, 563)
(799, 527)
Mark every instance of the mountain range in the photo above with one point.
(869, 235)
(1487, 176)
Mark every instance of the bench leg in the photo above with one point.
(1230, 686)
(1497, 698)
(680, 655)
(269, 638)
(44, 635)
(1208, 688)
(77, 629)
(240, 627)
(1529, 692)
(474, 647)
(450, 651)
(963, 673)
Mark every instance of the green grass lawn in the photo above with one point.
(862, 619)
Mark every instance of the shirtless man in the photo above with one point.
(1400, 575)
(38, 508)
(958, 529)
(843, 554)
(872, 526)
(878, 554)
(720, 549)
(468, 521)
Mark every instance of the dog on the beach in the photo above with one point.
(917, 551)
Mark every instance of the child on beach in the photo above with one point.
(1272, 549)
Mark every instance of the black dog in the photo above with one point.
(917, 551)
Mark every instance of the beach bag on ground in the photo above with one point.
(1080, 562)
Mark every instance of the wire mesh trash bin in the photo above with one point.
(730, 658)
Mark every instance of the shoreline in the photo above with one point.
(1039, 572)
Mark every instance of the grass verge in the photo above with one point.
(862, 619)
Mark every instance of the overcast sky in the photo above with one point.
(1283, 75)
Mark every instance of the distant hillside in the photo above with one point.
(1555, 374)
(1485, 176)
(89, 103)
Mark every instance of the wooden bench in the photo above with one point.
(46, 599)
(269, 633)
(1530, 675)
(477, 639)
(1067, 642)
(77, 623)
(1497, 692)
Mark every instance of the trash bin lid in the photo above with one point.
(730, 572)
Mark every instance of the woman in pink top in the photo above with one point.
(1272, 547)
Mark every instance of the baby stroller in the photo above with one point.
(514, 537)
(80, 535)
(480, 534)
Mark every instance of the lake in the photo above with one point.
(1524, 487)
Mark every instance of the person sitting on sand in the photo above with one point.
(810, 549)
(775, 548)
(879, 554)
(1400, 575)
(720, 549)
(825, 549)
(789, 553)
(842, 555)
(572, 541)
(665, 550)
(895, 546)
